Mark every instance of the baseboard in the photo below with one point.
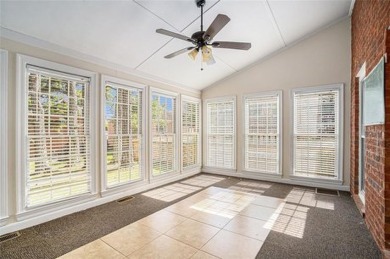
(278, 179)
(359, 204)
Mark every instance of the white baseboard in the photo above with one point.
(280, 179)
(42, 218)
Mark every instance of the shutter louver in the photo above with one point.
(262, 133)
(190, 133)
(316, 134)
(221, 134)
(163, 134)
(58, 137)
(123, 123)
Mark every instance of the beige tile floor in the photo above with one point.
(214, 223)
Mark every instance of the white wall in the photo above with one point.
(322, 59)
(13, 47)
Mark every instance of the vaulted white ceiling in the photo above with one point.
(123, 32)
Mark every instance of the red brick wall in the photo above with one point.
(370, 20)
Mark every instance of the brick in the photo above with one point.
(370, 40)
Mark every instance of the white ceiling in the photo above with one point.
(123, 32)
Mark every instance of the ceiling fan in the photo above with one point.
(202, 39)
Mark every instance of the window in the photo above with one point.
(318, 132)
(221, 133)
(190, 132)
(262, 133)
(3, 133)
(164, 141)
(56, 124)
(124, 139)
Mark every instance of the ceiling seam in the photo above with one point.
(199, 16)
(150, 11)
(235, 70)
(151, 55)
(274, 22)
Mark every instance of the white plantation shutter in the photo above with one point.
(163, 133)
(262, 133)
(58, 135)
(190, 137)
(124, 138)
(316, 133)
(221, 133)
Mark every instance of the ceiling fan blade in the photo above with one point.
(176, 53)
(219, 22)
(231, 45)
(174, 34)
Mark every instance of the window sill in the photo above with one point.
(28, 213)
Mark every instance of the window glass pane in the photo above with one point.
(221, 134)
(163, 134)
(58, 137)
(262, 134)
(316, 134)
(190, 134)
(124, 138)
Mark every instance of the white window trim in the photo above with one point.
(199, 155)
(360, 77)
(154, 178)
(279, 94)
(103, 146)
(340, 174)
(21, 129)
(3, 136)
(205, 102)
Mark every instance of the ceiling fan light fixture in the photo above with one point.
(211, 61)
(202, 40)
(206, 54)
(192, 54)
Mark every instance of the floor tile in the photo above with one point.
(95, 249)
(230, 245)
(164, 247)
(203, 255)
(212, 219)
(259, 212)
(130, 238)
(267, 201)
(193, 233)
(182, 209)
(162, 220)
(249, 227)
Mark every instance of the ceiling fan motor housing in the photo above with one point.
(200, 3)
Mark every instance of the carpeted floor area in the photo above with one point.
(310, 226)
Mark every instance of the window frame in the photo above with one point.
(3, 136)
(176, 171)
(185, 98)
(279, 94)
(340, 150)
(232, 98)
(22, 211)
(103, 163)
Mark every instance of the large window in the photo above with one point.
(3, 134)
(163, 126)
(262, 133)
(190, 132)
(124, 138)
(57, 151)
(317, 132)
(221, 133)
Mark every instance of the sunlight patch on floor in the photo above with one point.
(171, 192)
